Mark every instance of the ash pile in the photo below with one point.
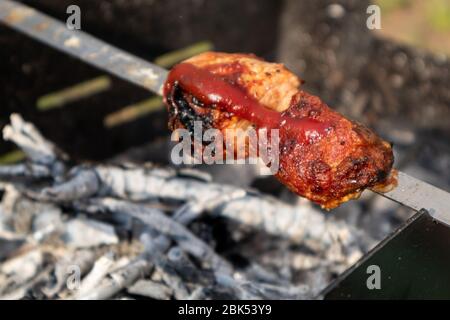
(86, 231)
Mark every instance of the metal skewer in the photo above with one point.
(417, 194)
(82, 46)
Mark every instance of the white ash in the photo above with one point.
(173, 233)
(84, 233)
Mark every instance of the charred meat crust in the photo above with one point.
(184, 110)
(337, 168)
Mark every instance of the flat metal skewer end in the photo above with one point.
(417, 195)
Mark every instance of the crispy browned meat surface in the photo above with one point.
(323, 156)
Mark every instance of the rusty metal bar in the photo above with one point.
(83, 46)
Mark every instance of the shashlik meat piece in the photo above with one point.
(322, 155)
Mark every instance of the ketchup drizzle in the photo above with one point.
(213, 89)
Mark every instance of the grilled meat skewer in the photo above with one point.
(322, 155)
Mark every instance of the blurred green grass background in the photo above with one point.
(421, 23)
